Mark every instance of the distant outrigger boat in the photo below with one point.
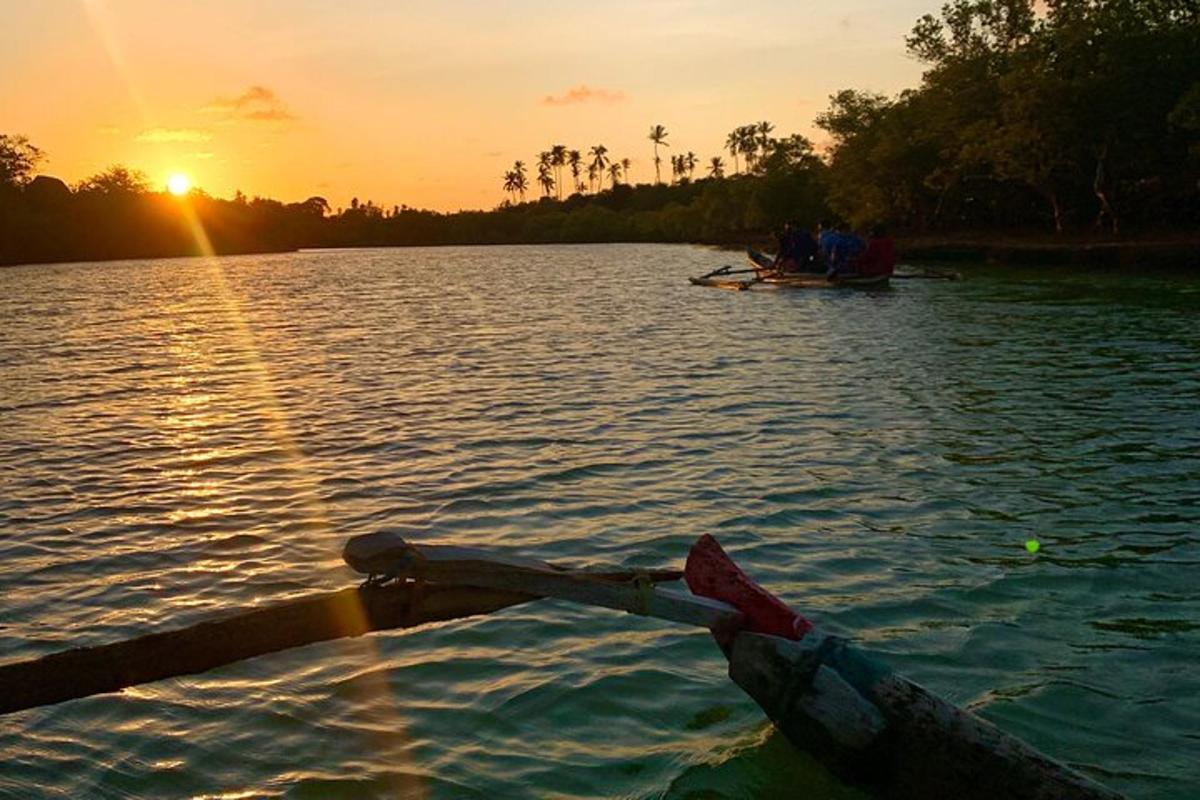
(765, 277)
(864, 722)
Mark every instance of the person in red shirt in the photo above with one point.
(879, 259)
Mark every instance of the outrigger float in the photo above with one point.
(867, 724)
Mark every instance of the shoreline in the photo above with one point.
(1153, 252)
(1162, 251)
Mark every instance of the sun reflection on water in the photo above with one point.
(189, 414)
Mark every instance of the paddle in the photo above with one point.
(725, 270)
(722, 271)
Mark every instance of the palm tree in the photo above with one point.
(558, 157)
(625, 165)
(658, 135)
(591, 176)
(733, 143)
(748, 145)
(521, 183)
(599, 155)
(510, 185)
(716, 167)
(690, 162)
(763, 130)
(614, 173)
(574, 159)
(676, 168)
(545, 177)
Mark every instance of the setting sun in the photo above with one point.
(178, 184)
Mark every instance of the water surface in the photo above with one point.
(181, 438)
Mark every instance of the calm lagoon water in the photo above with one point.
(181, 438)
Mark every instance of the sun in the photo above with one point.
(178, 184)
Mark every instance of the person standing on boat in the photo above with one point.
(879, 259)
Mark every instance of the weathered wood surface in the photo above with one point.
(387, 554)
(879, 730)
(350, 612)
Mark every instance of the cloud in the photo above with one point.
(161, 135)
(256, 104)
(584, 94)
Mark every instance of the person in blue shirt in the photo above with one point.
(826, 236)
(846, 251)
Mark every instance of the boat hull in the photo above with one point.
(808, 280)
(879, 730)
(791, 282)
(865, 722)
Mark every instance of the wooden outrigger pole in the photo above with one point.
(86, 671)
(867, 724)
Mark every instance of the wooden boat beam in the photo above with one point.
(86, 671)
(386, 554)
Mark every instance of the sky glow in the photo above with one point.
(421, 104)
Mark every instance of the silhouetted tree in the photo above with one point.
(545, 178)
(558, 158)
(510, 185)
(733, 143)
(614, 173)
(575, 160)
(658, 135)
(522, 183)
(18, 158)
(114, 181)
(599, 154)
(763, 130)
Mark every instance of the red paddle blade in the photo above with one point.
(710, 572)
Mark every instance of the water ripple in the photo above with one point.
(181, 438)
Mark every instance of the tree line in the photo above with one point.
(116, 215)
(1067, 114)
(1056, 116)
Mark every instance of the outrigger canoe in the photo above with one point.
(867, 724)
(766, 278)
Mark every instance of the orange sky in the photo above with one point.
(420, 103)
